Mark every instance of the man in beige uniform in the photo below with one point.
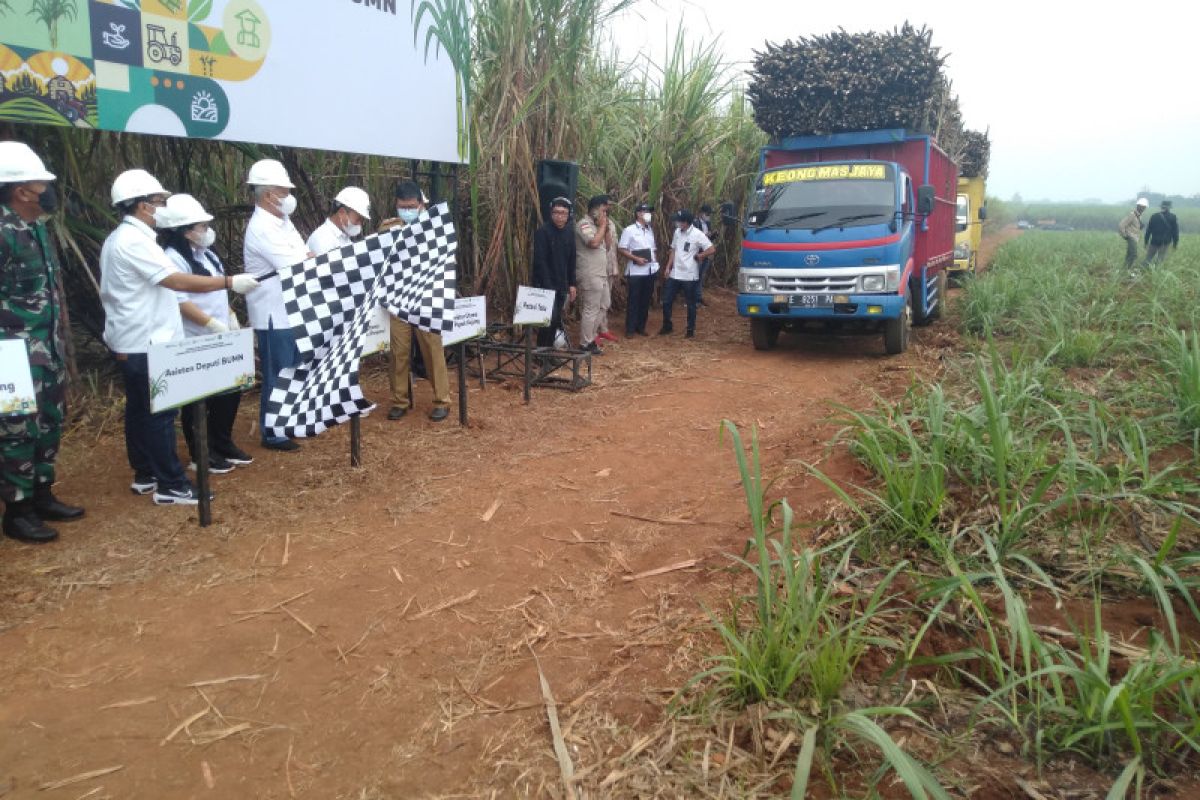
(596, 254)
(409, 203)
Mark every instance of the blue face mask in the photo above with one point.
(409, 215)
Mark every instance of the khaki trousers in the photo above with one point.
(596, 298)
(435, 363)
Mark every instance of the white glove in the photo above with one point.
(234, 325)
(242, 283)
(215, 325)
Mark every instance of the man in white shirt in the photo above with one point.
(272, 243)
(137, 288)
(351, 210)
(638, 248)
(689, 247)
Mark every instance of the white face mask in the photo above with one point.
(206, 239)
(287, 205)
(352, 230)
(646, 216)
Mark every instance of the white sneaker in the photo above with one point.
(178, 497)
(142, 485)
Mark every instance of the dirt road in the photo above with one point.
(370, 633)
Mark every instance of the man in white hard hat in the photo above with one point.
(272, 243)
(138, 283)
(351, 210)
(31, 310)
(1131, 230)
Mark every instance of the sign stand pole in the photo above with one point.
(356, 441)
(528, 361)
(200, 433)
(462, 383)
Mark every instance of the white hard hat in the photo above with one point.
(355, 199)
(269, 172)
(134, 183)
(18, 164)
(1143, 202)
(183, 210)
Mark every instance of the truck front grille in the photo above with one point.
(817, 284)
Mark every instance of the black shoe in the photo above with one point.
(236, 456)
(593, 348)
(439, 413)
(283, 446)
(642, 332)
(49, 507)
(396, 412)
(143, 484)
(216, 466)
(24, 525)
(690, 335)
(665, 329)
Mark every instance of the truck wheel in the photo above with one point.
(764, 333)
(896, 331)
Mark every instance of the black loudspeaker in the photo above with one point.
(556, 179)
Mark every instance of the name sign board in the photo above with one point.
(185, 371)
(470, 320)
(16, 382)
(379, 333)
(534, 306)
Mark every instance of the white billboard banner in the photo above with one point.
(349, 75)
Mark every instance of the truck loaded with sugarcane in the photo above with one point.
(851, 223)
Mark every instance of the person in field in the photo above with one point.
(595, 248)
(189, 240)
(689, 248)
(638, 248)
(351, 210)
(1161, 233)
(1131, 231)
(272, 243)
(554, 262)
(31, 310)
(138, 285)
(409, 203)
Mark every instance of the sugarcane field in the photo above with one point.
(587, 399)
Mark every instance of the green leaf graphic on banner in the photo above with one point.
(199, 10)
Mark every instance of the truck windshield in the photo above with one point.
(799, 198)
(962, 215)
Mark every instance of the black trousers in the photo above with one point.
(545, 336)
(637, 307)
(222, 413)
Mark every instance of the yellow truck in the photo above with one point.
(969, 215)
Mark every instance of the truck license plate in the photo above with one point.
(811, 300)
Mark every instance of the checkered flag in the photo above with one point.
(421, 291)
(330, 300)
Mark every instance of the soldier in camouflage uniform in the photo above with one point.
(31, 309)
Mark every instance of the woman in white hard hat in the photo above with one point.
(189, 241)
(351, 210)
(137, 287)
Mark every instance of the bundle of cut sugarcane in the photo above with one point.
(976, 151)
(843, 82)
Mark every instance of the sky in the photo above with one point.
(1082, 100)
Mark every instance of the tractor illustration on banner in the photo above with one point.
(150, 66)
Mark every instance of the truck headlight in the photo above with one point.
(962, 251)
(755, 284)
(873, 283)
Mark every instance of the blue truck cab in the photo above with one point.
(849, 231)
